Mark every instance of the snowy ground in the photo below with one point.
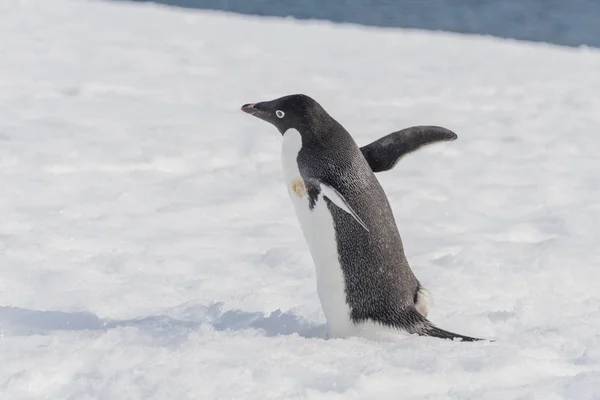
(148, 249)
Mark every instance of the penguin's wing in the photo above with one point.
(336, 198)
(383, 154)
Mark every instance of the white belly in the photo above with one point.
(318, 228)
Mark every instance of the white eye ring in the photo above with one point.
(279, 113)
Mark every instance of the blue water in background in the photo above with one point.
(562, 22)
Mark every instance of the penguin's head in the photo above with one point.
(296, 111)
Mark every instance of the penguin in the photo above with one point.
(364, 282)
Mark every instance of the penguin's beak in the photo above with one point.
(249, 108)
(259, 110)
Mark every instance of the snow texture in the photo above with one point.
(149, 250)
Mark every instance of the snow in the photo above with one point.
(148, 249)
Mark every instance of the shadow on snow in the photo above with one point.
(21, 321)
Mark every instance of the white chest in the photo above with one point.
(318, 228)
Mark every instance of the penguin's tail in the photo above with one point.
(424, 327)
(434, 331)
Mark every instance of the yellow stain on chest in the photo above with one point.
(299, 187)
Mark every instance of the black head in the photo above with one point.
(296, 111)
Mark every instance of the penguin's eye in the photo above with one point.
(279, 113)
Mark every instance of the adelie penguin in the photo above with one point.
(364, 282)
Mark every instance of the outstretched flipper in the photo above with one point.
(383, 154)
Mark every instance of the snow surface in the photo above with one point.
(148, 249)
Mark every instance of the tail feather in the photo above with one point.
(434, 331)
(424, 327)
